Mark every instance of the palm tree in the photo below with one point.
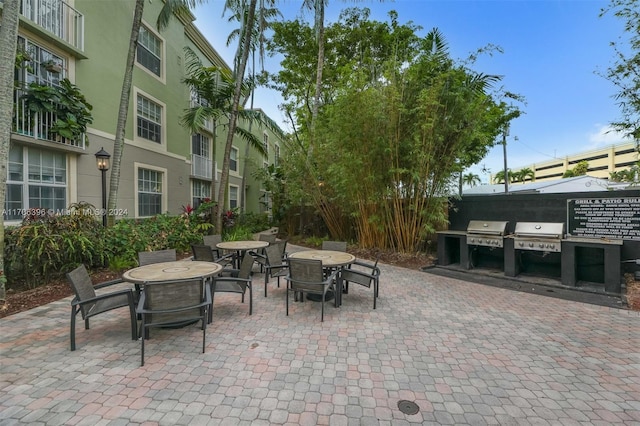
(123, 109)
(499, 177)
(240, 64)
(8, 40)
(263, 22)
(318, 7)
(216, 87)
(527, 173)
(471, 179)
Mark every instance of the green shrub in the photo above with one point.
(129, 236)
(255, 222)
(237, 233)
(46, 245)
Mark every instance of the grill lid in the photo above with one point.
(487, 227)
(539, 229)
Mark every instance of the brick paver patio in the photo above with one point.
(464, 353)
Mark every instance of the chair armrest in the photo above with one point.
(231, 280)
(374, 269)
(256, 254)
(99, 297)
(231, 256)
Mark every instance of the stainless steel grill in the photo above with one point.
(538, 236)
(489, 233)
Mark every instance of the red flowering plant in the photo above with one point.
(229, 218)
(188, 210)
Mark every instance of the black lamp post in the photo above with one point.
(102, 161)
(505, 133)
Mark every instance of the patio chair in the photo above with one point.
(90, 304)
(228, 259)
(235, 281)
(212, 241)
(335, 246)
(156, 256)
(307, 276)
(273, 263)
(363, 273)
(270, 238)
(173, 304)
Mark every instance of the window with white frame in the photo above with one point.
(276, 155)
(265, 143)
(233, 159)
(200, 190)
(149, 51)
(43, 66)
(233, 196)
(37, 179)
(200, 145)
(149, 118)
(149, 192)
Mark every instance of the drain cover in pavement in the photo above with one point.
(408, 407)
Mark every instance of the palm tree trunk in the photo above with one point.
(125, 94)
(243, 201)
(233, 119)
(8, 39)
(319, 20)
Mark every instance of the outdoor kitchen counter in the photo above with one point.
(612, 261)
(452, 248)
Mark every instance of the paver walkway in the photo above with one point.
(464, 353)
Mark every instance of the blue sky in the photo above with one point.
(553, 50)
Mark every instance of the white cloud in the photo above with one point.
(604, 135)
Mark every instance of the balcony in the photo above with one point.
(56, 17)
(38, 125)
(201, 167)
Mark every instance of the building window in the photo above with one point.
(276, 155)
(149, 52)
(44, 66)
(200, 145)
(149, 119)
(265, 143)
(200, 189)
(45, 186)
(233, 197)
(149, 192)
(233, 159)
(196, 101)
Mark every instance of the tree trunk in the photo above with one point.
(319, 20)
(125, 95)
(243, 201)
(8, 40)
(233, 119)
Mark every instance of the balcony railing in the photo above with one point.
(37, 125)
(57, 17)
(201, 166)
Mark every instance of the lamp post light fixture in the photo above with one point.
(102, 161)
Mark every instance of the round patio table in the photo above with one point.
(167, 271)
(241, 247)
(329, 259)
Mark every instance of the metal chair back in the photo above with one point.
(156, 256)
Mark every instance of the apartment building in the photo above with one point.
(164, 166)
(601, 162)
